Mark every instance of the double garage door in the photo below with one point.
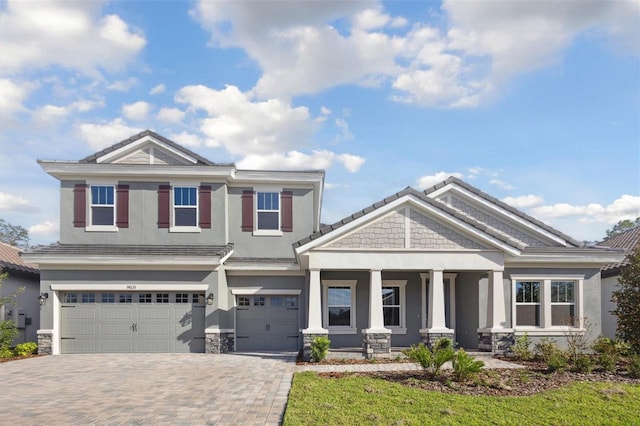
(106, 322)
(267, 323)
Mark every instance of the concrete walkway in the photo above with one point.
(239, 388)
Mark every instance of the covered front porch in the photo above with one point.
(392, 306)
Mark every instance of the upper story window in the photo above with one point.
(103, 205)
(185, 206)
(268, 211)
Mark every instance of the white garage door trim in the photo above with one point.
(130, 287)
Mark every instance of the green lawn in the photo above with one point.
(359, 400)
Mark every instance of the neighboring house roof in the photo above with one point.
(503, 205)
(628, 240)
(201, 160)
(10, 260)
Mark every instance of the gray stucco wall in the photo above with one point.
(248, 245)
(143, 219)
(27, 302)
(609, 321)
(467, 309)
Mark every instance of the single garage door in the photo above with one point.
(105, 322)
(267, 323)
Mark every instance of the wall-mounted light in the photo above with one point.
(43, 298)
(210, 299)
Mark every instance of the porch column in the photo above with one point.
(376, 338)
(314, 325)
(498, 336)
(436, 322)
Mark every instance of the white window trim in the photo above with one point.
(267, 232)
(184, 229)
(101, 228)
(352, 329)
(401, 284)
(546, 328)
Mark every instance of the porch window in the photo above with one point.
(340, 306)
(393, 305)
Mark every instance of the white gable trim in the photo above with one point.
(147, 140)
(394, 205)
(538, 231)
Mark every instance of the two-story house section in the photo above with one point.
(162, 250)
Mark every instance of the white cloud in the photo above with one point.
(351, 162)
(524, 201)
(136, 111)
(123, 85)
(427, 181)
(37, 34)
(186, 139)
(170, 115)
(160, 88)
(458, 64)
(295, 160)
(243, 126)
(101, 135)
(49, 114)
(345, 134)
(11, 99)
(501, 184)
(16, 204)
(625, 207)
(45, 230)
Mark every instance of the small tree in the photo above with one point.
(627, 298)
(622, 226)
(14, 235)
(8, 329)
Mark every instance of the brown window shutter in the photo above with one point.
(286, 200)
(164, 205)
(80, 205)
(205, 206)
(247, 211)
(122, 205)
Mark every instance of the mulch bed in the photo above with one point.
(17, 358)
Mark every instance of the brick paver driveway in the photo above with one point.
(146, 389)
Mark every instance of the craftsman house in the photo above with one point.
(162, 250)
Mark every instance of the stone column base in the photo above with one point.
(496, 342)
(430, 337)
(376, 345)
(45, 342)
(219, 341)
(307, 338)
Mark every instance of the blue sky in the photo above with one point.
(535, 102)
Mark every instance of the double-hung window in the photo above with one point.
(185, 206)
(547, 303)
(340, 306)
(393, 305)
(268, 211)
(528, 303)
(103, 205)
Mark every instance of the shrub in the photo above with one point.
(521, 346)
(6, 353)
(8, 332)
(545, 348)
(609, 352)
(634, 366)
(28, 348)
(465, 366)
(577, 340)
(319, 348)
(442, 352)
(420, 354)
(583, 364)
(557, 361)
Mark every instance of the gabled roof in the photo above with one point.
(149, 133)
(10, 260)
(503, 205)
(408, 191)
(628, 240)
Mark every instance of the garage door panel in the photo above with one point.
(111, 325)
(273, 325)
